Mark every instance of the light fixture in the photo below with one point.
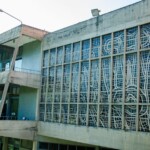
(10, 15)
(95, 12)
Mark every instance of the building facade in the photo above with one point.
(20, 59)
(94, 91)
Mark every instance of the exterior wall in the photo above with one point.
(102, 137)
(27, 103)
(95, 82)
(126, 17)
(31, 57)
(23, 129)
(95, 73)
(22, 78)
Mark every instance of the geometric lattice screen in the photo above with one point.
(101, 82)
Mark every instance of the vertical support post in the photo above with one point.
(8, 106)
(78, 100)
(5, 143)
(99, 81)
(35, 145)
(39, 100)
(111, 81)
(124, 80)
(37, 105)
(53, 86)
(70, 82)
(138, 80)
(47, 77)
(88, 94)
(97, 148)
(61, 84)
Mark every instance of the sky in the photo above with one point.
(51, 15)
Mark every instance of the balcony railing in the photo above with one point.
(15, 118)
(3, 69)
(22, 70)
(8, 118)
(27, 70)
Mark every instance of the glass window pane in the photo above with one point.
(131, 78)
(106, 45)
(118, 42)
(76, 52)
(95, 47)
(59, 55)
(132, 39)
(67, 57)
(45, 58)
(52, 57)
(85, 49)
(145, 36)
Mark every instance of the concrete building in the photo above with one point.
(94, 91)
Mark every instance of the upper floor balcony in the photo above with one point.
(21, 76)
(18, 129)
(21, 43)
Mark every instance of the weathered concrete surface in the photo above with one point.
(96, 136)
(25, 30)
(3, 77)
(18, 129)
(122, 18)
(10, 34)
(60, 141)
(33, 32)
(25, 79)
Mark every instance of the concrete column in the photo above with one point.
(5, 143)
(8, 106)
(97, 148)
(35, 145)
(37, 105)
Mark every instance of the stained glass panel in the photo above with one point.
(106, 45)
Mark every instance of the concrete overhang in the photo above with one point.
(28, 33)
(60, 141)
(18, 129)
(22, 78)
(27, 79)
(117, 139)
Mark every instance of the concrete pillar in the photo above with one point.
(97, 148)
(35, 145)
(8, 105)
(37, 105)
(5, 143)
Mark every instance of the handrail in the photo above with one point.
(27, 70)
(14, 118)
(21, 70)
(8, 118)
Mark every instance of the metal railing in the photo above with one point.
(8, 118)
(27, 70)
(15, 118)
(21, 70)
(4, 69)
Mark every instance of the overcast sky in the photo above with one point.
(52, 15)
